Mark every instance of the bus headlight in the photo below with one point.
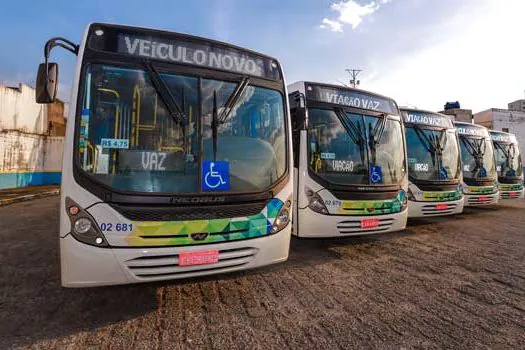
(83, 226)
(410, 195)
(403, 198)
(315, 202)
(283, 217)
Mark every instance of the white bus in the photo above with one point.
(350, 168)
(434, 164)
(177, 160)
(480, 180)
(508, 165)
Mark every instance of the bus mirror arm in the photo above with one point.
(47, 76)
(300, 100)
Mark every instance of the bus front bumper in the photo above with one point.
(312, 224)
(87, 266)
(427, 209)
(476, 200)
(511, 194)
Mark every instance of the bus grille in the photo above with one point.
(509, 195)
(189, 212)
(481, 200)
(354, 227)
(432, 209)
(167, 266)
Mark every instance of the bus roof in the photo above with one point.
(344, 95)
(469, 124)
(180, 48)
(423, 117)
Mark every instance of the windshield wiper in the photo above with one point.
(433, 144)
(174, 110)
(506, 152)
(214, 125)
(474, 149)
(228, 108)
(375, 135)
(232, 100)
(354, 132)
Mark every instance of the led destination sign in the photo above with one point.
(179, 48)
(473, 130)
(429, 119)
(503, 138)
(351, 98)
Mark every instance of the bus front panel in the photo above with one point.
(177, 160)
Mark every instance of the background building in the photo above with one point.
(31, 138)
(504, 120)
(518, 105)
(458, 114)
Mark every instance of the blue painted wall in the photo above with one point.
(12, 180)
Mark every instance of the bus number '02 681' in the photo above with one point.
(109, 227)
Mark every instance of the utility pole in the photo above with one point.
(354, 73)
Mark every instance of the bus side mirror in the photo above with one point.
(46, 83)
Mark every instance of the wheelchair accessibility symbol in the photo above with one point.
(376, 175)
(215, 176)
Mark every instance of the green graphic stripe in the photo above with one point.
(481, 190)
(441, 196)
(153, 233)
(390, 206)
(510, 187)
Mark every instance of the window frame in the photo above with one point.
(108, 193)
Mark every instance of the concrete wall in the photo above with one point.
(459, 114)
(484, 118)
(56, 120)
(29, 160)
(19, 111)
(30, 153)
(498, 119)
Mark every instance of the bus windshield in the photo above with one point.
(508, 159)
(129, 139)
(355, 149)
(477, 157)
(433, 154)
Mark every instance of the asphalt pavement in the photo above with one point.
(455, 282)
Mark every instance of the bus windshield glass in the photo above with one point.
(508, 159)
(128, 137)
(433, 154)
(477, 157)
(355, 149)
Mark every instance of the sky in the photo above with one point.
(422, 53)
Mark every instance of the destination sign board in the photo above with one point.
(351, 98)
(499, 137)
(425, 118)
(472, 130)
(182, 49)
(131, 160)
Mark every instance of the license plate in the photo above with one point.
(368, 223)
(198, 258)
(441, 206)
(483, 198)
